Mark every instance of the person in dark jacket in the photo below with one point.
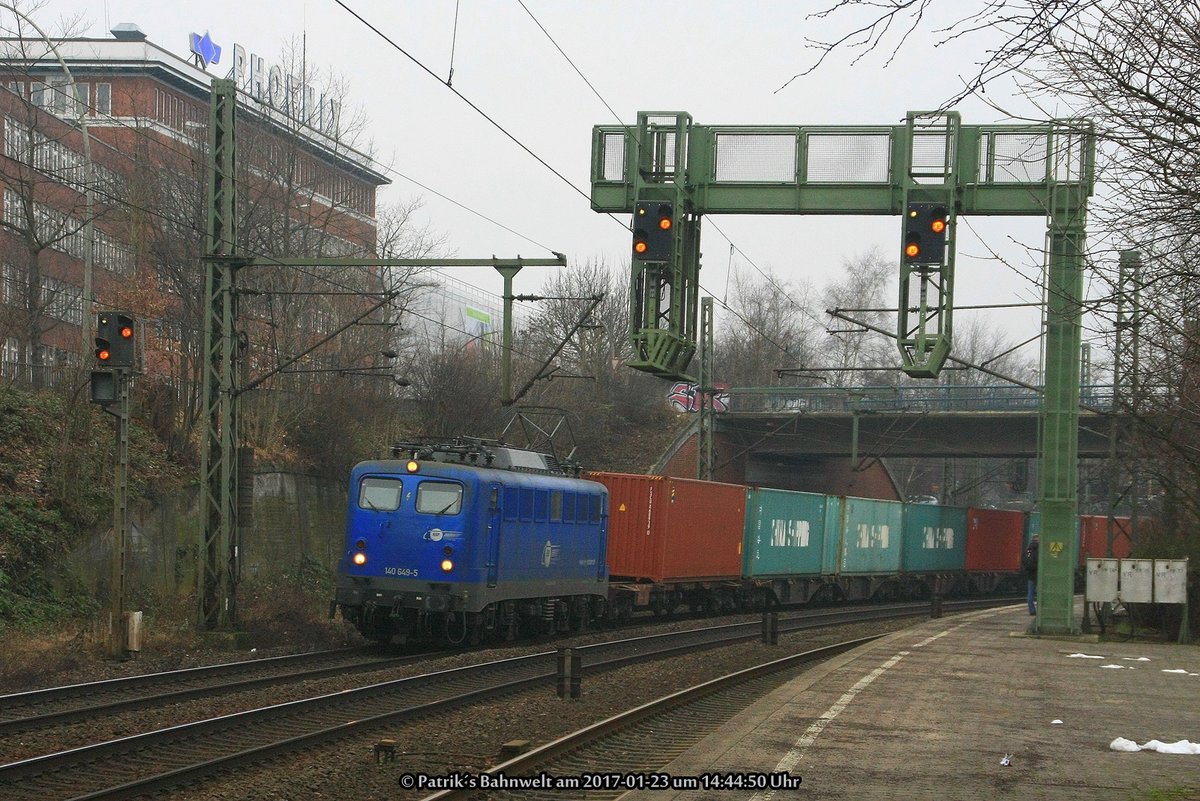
(1029, 564)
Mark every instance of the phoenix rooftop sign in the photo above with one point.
(284, 92)
(205, 50)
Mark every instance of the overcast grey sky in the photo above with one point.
(721, 61)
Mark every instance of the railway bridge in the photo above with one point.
(834, 440)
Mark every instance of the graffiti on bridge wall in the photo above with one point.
(683, 397)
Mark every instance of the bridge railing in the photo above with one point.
(948, 398)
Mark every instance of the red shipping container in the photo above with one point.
(994, 539)
(1093, 535)
(667, 529)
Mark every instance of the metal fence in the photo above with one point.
(909, 399)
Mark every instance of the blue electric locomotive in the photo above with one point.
(469, 540)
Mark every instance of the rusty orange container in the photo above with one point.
(1093, 537)
(994, 539)
(665, 529)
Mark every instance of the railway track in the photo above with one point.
(40, 708)
(86, 701)
(628, 751)
(161, 759)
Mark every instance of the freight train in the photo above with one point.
(469, 540)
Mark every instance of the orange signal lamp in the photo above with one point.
(640, 246)
(912, 250)
(104, 355)
(665, 223)
(126, 332)
(938, 226)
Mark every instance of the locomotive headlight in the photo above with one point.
(447, 565)
(360, 558)
(412, 466)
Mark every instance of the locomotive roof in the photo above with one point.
(485, 453)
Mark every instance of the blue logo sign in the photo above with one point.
(205, 49)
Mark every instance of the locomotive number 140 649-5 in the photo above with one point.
(410, 572)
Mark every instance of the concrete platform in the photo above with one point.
(929, 713)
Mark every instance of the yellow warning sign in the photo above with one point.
(1056, 548)
(622, 509)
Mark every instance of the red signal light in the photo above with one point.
(640, 246)
(126, 332)
(103, 354)
(938, 226)
(665, 223)
(912, 250)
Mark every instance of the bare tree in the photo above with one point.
(867, 287)
(52, 196)
(1025, 29)
(767, 327)
(298, 199)
(1130, 66)
(619, 417)
(457, 391)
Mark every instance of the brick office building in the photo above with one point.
(110, 162)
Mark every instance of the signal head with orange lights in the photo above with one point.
(925, 230)
(116, 335)
(653, 231)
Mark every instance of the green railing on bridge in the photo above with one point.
(948, 398)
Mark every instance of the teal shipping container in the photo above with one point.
(1033, 525)
(871, 535)
(935, 538)
(785, 533)
(832, 557)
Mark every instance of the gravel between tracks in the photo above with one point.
(470, 739)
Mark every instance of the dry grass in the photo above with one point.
(275, 619)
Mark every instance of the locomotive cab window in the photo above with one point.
(439, 498)
(379, 494)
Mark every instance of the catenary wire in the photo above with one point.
(721, 301)
(168, 145)
(187, 225)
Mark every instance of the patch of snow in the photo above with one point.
(1179, 747)
(1083, 656)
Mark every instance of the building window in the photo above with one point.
(59, 100)
(62, 301)
(10, 359)
(83, 99)
(50, 225)
(104, 99)
(10, 285)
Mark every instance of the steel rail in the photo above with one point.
(336, 715)
(539, 758)
(341, 661)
